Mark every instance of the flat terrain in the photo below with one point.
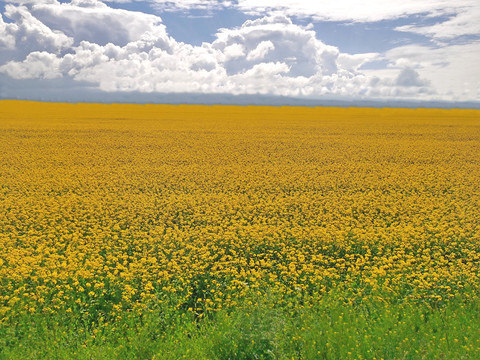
(109, 213)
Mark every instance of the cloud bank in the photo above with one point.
(460, 17)
(92, 45)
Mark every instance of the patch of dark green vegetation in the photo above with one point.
(259, 329)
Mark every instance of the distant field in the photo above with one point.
(109, 213)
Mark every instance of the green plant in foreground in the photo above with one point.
(329, 330)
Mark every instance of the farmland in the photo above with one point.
(115, 216)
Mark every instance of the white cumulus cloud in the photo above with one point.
(41, 65)
(260, 51)
(94, 21)
(452, 70)
(273, 39)
(90, 44)
(32, 34)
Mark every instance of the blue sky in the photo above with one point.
(374, 49)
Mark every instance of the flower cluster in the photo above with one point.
(106, 209)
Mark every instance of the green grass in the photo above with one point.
(329, 330)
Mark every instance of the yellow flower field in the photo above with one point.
(107, 209)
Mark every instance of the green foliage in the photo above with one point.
(259, 329)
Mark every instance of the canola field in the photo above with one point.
(110, 210)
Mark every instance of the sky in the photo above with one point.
(347, 49)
